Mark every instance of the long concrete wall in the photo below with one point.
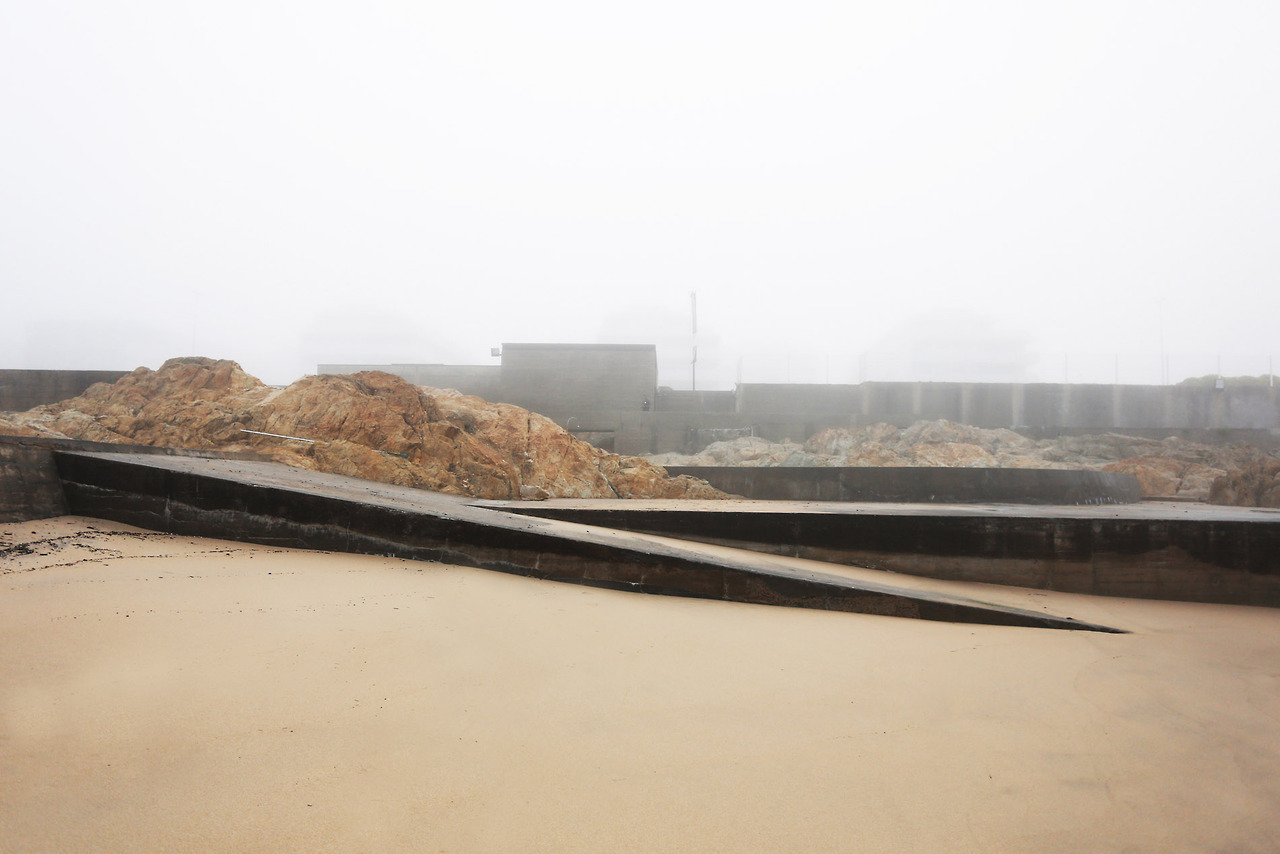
(1219, 554)
(597, 390)
(1031, 405)
(936, 485)
(20, 390)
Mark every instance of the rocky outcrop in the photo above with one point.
(372, 425)
(1168, 477)
(1256, 484)
(1165, 468)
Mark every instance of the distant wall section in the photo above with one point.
(20, 390)
(565, 381)
(1048, 408)
(597, 391)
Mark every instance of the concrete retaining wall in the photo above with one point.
(287, 507)
(21, 390)
(30, 487)
(920, 485)
(1194, 558)
(29, 484)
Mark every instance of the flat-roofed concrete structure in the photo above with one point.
(564, 381)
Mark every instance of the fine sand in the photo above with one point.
(178, 694)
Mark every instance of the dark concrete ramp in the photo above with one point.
(1153, 550)
(274, 504)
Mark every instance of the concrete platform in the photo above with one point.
(1156, 550)
(274, 504)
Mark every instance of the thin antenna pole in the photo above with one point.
(693, 362)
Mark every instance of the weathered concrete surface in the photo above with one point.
(1154, 550)
(274, 504)
(22, 389)
(29, 484)
(935, 485)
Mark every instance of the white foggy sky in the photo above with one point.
(290, 184)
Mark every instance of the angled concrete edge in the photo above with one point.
(273, 504)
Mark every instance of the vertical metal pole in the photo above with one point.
(693, 362)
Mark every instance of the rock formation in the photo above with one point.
(1256, 484)
(1165, 468)
(372, 425)
(378, 426)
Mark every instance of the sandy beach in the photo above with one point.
(179, 694)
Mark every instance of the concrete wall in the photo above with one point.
(20, 390)
(1192, 556)
(688, 432)
(919, 485)
(673, 400)
(596, 391)
(29, 484)
(1034, 405)
(30, 487)
(280, 506)
(563, 381)
(782, 411)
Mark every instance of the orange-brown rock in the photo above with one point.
(1167, 477)
(954, 455)
(372, 425)
(1165, 468)
(1256, 484)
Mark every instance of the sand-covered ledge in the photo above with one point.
(171, 693)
